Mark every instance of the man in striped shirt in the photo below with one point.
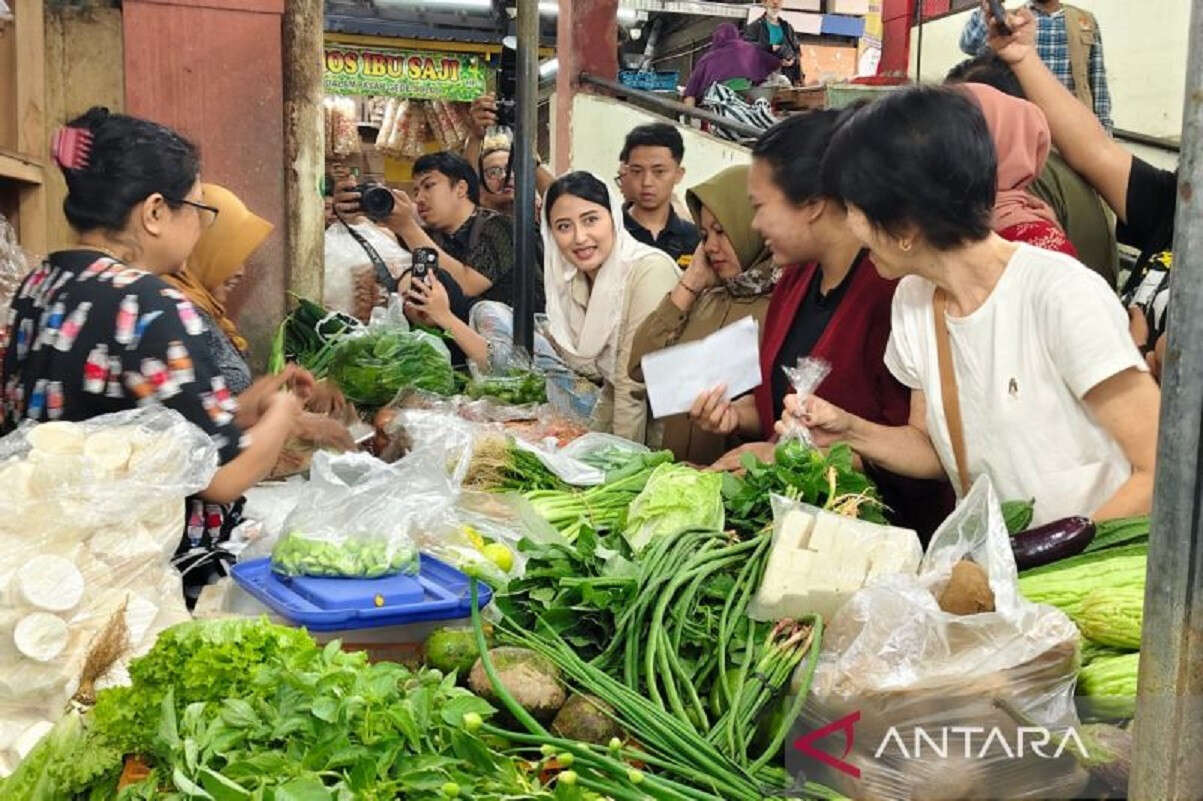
(1062, 32)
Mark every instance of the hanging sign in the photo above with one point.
(420, 74)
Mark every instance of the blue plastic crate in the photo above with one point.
(438, 592)
(658, 81)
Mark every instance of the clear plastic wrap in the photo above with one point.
(90, 515)
(355, 521)
(805, 378)
(350, 278)
(929, 688)
(13, 264)
(510, 378)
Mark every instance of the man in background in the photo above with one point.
(652, 156)
(1070, 45)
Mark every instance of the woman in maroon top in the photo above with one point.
(833, 305)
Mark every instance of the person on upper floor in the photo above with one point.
(1079, 209)
(774, 34)
(1068, 41)
(214, 270)
(729, 278)
(729, 59)
(491, 150)
(1018, 359)
(601, 284)
(95, 329)
(651, 158)
(1021, 145)
(1143, 197)
(829, 303)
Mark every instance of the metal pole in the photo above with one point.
(919, 44)
(525, 139)
(1169, 719)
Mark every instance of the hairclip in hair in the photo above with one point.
(72, 147)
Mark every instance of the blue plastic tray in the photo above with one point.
(438, 592)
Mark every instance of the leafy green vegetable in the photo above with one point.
(801, 473)
(279, 719)
(515, 387)
(372, 368)
(676, 497)
(307, 336)
(355, 557)
(1018, 515)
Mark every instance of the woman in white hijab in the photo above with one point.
(601, 284)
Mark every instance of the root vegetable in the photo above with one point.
(533, 681)
(968, 591)
(51, 583)
(587, 719)
(40, 636)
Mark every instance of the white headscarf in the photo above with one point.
(586, 334)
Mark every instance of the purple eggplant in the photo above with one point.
(1051, 542)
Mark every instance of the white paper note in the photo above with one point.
(676, 376)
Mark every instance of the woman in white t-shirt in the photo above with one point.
(1055, 402)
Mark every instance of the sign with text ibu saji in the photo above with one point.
(417, 74)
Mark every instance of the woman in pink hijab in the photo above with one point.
(1022, 140)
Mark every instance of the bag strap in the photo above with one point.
(383, 276)
(1077, 22)
(948, 388)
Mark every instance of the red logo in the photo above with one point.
(846, 724)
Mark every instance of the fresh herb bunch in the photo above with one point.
(373, 367)
(245, 709)
(804, 474)
(308, 336)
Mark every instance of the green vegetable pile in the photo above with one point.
(308, 336)
(602, 508)
(242, 709)
(296, 554)
(676, 497)
(515, 387)
(799, 473)
(373, 367)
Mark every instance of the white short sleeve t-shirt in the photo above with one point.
(1051, 331)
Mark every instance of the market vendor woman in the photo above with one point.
(96, 329)
(1026, 349)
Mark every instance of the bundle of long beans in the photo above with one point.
(683, 765)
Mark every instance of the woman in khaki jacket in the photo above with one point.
(729, 278)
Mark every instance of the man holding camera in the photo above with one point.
(475, 245)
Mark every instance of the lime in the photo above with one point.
(500, 555)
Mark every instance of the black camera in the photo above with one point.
(426, 261)
(375, 201)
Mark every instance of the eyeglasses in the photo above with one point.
(495, 173)
(207, 214)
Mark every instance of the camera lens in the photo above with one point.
(376, 201)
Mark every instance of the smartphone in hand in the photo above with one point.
(1000, 17)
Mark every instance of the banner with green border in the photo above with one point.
(418, 74)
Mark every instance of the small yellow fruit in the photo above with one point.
(474, 537)
(500, 555)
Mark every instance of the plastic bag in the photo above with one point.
(509, 379)
(350, 277)
(929, 688)
(90, 515)
(353, 523)
(371, 367)
(819, 559)
(13, 264)
(805, 379)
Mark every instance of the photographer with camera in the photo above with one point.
(475, 245)
(491, 149)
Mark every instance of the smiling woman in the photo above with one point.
(601, 284)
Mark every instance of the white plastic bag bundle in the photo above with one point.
(350, 277)
(805, 378)
(90, 515)
(936, 694)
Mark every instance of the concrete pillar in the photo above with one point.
(304, 146)
(586, 41)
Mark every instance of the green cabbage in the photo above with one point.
(676, 498)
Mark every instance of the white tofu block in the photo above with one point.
(51, 583)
